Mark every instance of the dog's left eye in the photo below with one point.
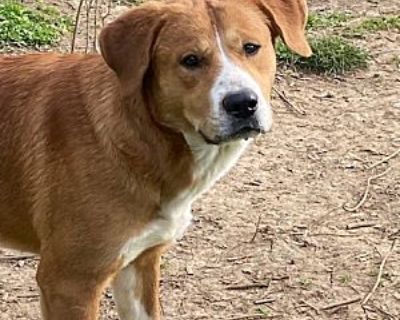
(251, 49)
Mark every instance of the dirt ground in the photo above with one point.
(277, 236)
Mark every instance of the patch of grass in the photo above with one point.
(264, 311)
(332, 55)
(305, 283)
(378, 24)
(396, 61)
(345, 279)
(31, 27)
(329, 20)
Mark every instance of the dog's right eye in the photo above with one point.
(191, 62)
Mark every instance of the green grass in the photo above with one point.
(305, 283)
(332, 55)
(31, 27)
(396, 60)
(345, 279)
(329, 20)
(378, 24)
(264, 312)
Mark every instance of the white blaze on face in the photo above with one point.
(231, 79)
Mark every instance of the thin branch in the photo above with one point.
(290, 104)
(366, 192)
(264, 301)
(257, 229)
(341, 304)
(311, 306)
(379, 277)
(78, 14)
(253, 316)
(249, 286)
(360, 225)
(386, 159)
(94, 45)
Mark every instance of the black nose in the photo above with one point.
(241, 104)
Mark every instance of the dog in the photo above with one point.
(101, 156)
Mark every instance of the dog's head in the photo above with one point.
(205, 66)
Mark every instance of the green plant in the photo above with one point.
(378, 23)
(264, 311)
(31, 27)
(305, 283)
(396, 60)
(345, 279)
(329, 20)
(332, 55)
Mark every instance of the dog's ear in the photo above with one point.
(288, 20)
(127, 43)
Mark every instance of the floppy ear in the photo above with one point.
(127, 44)
(289, 18)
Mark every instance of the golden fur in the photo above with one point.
(91, 145)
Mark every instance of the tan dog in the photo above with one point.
(102, 156)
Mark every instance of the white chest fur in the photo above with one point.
(211, 163)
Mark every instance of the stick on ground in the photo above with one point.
(379, 277)
(249, 286)
(341, 304)
(386, 159)
(366, 193)
(290, 104)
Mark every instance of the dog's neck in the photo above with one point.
(211, 162)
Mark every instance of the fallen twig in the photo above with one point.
(341, 304)
(233, 259)
(264, 301)
(253, 317)
(385, 313)
(329, 234)
(386, 159)
(290, 104)
(249, 286)
(394, 235)
(379, 277)
(366, 192)
(257, 229)
(317, 311)
(360, 225)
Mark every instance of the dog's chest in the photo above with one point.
(211, 163)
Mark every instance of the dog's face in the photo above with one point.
(207, 67)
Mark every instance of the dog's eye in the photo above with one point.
(251, 49)
(191, 62)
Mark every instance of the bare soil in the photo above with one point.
(277, 236)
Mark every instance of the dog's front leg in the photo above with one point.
(136, 287)
(67, 294)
